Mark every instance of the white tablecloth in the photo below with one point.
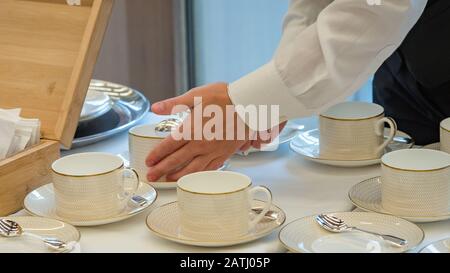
(299, 187)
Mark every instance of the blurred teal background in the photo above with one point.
(235, 37)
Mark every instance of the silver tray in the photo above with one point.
(128, 107)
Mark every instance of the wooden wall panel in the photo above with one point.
(139, 47)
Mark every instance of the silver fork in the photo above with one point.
(337, 225)
(9, 229)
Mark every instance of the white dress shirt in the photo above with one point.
(328, 50)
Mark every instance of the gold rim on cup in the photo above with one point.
(147, 137)
(418, 171)
(445, 129)
(355, 119)
(89, 175)
(222, 193)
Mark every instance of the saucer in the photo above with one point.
(307, 144)
(306, 236)
(162, 185)
(442, 246)
(43, 227)
(164, 223)
(41, 202)
(367, 196)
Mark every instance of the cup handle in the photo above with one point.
(266, 208)
(379, 130)
(128, 193)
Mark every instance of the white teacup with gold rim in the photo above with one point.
(354, 131)
(216, 205)
(143, 139)
(92, 186)
(445, 135)
(416, 182)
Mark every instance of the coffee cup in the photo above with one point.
(92, 186)
(445, 135)
(416, 182)
(354, 131)
(215, 205)
(142, 140)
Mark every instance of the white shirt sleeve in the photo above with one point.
(328, 51)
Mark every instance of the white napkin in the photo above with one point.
(32, 125)
(8, 121)
(16, 133)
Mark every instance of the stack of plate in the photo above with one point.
(109, 109)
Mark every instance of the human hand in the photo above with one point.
(274, 133)
(177, 157)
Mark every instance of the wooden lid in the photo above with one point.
(48, 51)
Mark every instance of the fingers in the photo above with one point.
(256, 144)
(196, 165)
(171, 163)
(246, 146)
(268, 137)
(165, 148)
(282, 125)
(216, 164)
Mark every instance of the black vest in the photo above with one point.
(413, 84)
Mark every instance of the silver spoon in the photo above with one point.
(337, 225)
(9, 229)
(139, 200)
(270, 215)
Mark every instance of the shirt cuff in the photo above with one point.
(264, 88)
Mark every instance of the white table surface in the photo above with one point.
(299, 187)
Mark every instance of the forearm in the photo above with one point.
(330, 59)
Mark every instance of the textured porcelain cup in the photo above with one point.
(416, 182)
(92, 186)
(445, 135)
(216, 205)
(354, 131)
(142, 140)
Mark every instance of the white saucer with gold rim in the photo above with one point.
(307, 144)
(43, 227)
(306, 236)
(164, 222)
(366, 195)
(442, 246)
(41, 202)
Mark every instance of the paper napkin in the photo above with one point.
(16, 133)
(8, 121)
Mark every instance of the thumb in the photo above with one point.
(176, 104)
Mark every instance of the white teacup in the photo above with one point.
(216, 206)
(445, 135)
(92, 186)
(354, 131)
(142, 140)
(416, 182)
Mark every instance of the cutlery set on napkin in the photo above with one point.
(17, 133)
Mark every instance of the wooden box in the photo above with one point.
(48, 50)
